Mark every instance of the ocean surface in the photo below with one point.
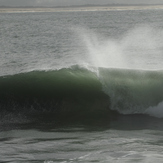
(81, 86)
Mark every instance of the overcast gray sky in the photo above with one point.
(73, 2)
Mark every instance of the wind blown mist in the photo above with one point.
(138, 48)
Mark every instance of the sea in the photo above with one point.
(81, 86)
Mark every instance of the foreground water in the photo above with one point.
(81, 86)
(126, 139)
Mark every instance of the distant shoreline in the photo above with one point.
(72, 9)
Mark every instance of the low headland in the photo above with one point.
(6, 9)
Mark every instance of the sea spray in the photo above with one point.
(100, 51)
(139, 48)
(142, 46)
(156, 111)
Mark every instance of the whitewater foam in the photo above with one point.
(156, 111)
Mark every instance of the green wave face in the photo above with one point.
(132, 91)
(50, 84)
(69, 90)
(78, 92)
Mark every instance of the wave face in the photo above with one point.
(68, 91)
(79, 92)
(133, 91)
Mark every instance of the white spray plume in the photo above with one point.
(139, 48)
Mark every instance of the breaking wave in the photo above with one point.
(78, 92)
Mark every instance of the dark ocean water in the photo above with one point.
(81, 86)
